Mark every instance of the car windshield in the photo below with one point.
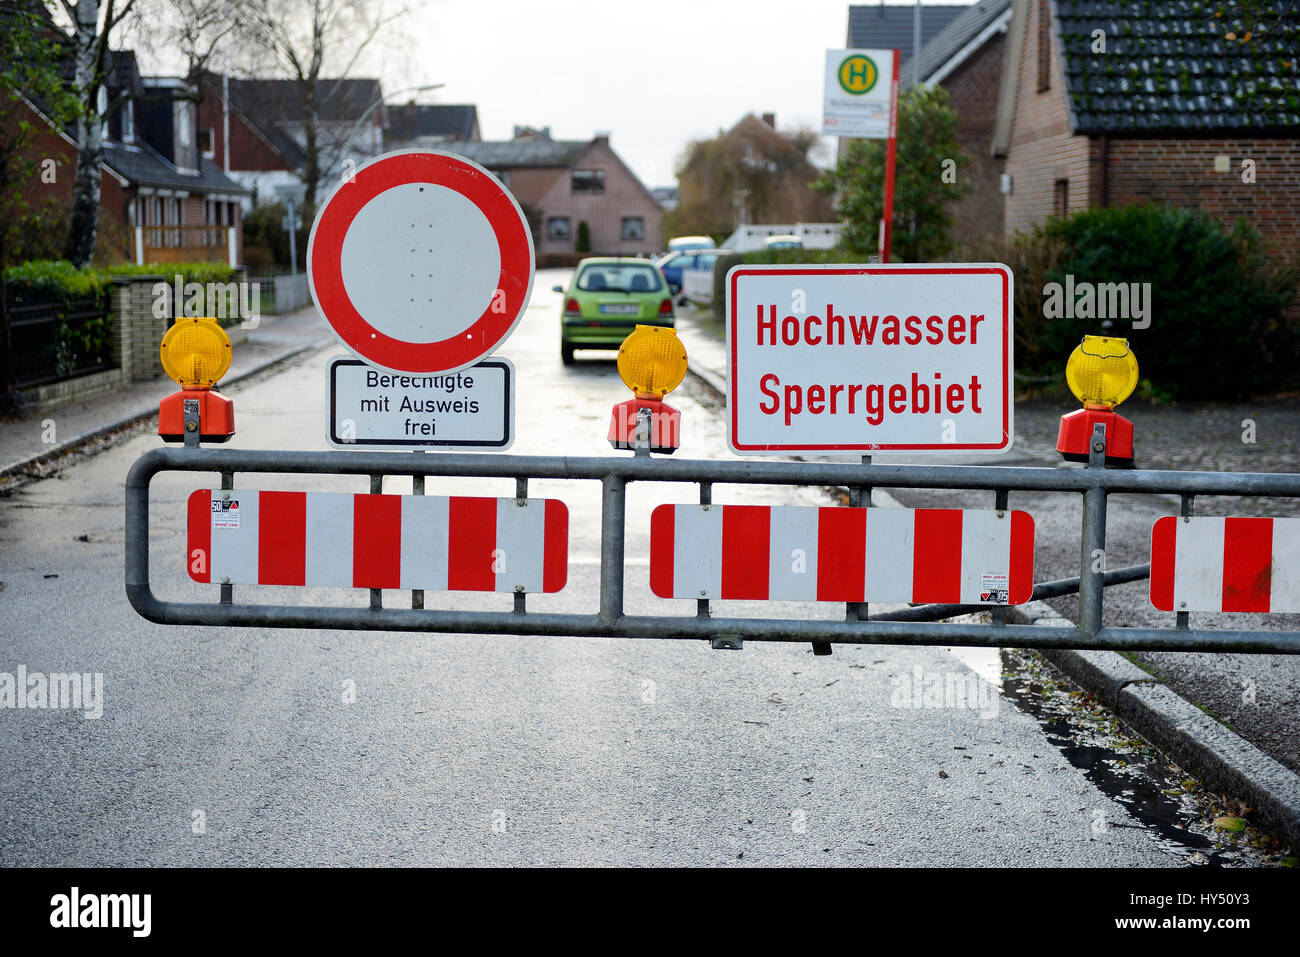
(620, 277)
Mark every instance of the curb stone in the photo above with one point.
(1222, 759)
(22, 466)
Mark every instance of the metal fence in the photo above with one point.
(908, 626)
(55, 340)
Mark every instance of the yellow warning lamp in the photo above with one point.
(1101, 372)
(196, 352)
(651, 362)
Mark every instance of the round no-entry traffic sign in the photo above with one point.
(421, 262)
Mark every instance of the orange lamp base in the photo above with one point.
(216, 416)
(665, 425)
(1075, 434)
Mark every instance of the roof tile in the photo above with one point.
(1174, 65)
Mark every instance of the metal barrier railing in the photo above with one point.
(1093, 484)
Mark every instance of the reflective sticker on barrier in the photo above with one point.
(1225, 564)
(436, 543)
(802, 553)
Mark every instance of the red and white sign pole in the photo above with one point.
(891, 147)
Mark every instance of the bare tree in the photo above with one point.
(93, 23)
(308, 40)
(193, 29)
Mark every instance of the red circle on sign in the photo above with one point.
(481, 334)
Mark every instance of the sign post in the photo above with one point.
(865, 359)
(292, 195)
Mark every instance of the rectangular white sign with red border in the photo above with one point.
(841, 359)
(859, 93)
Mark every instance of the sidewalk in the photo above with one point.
(24, 440)
(1148, 690)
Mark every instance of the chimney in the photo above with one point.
(770, 119)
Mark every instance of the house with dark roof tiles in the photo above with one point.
(431, 124)
(890, 26)
(160, 198)
(1195, 104)
(965, 58)
(267, 132)
(562, 183)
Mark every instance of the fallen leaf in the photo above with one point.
(1226, 823)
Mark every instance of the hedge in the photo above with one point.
(60, 283)
(1218, 327)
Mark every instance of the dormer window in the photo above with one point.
(101, 107)
(184, 125)
(128, 121)
(207, 142)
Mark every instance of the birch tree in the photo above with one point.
(93, 23)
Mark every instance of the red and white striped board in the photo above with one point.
(1225, 564)
(437, 543)
(802, 553)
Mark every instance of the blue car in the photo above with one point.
(672, 264)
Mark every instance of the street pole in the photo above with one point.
(293, 238)
(916, 45)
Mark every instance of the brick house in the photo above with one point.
(431, 125)
(562, 183)
(965, 58)
(1105, 103)
(267, 136)
(160, 200)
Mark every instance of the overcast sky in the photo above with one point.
(655, 75)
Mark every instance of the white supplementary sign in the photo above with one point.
(871, 358)
(373, 408)
(421, 262)
(859, 93)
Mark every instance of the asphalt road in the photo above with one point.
(246, 746)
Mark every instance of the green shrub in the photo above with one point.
(1217, 329)
(1035, 260)
(61, 283)
(264, 232)
(721, 266)
(583, 242)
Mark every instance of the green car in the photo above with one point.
(607, 299)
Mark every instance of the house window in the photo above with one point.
(206, 142)
(633, 227)
(128, 122)
(1061, 198)
(557, 227)
(1044, 46)
(588, 181)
